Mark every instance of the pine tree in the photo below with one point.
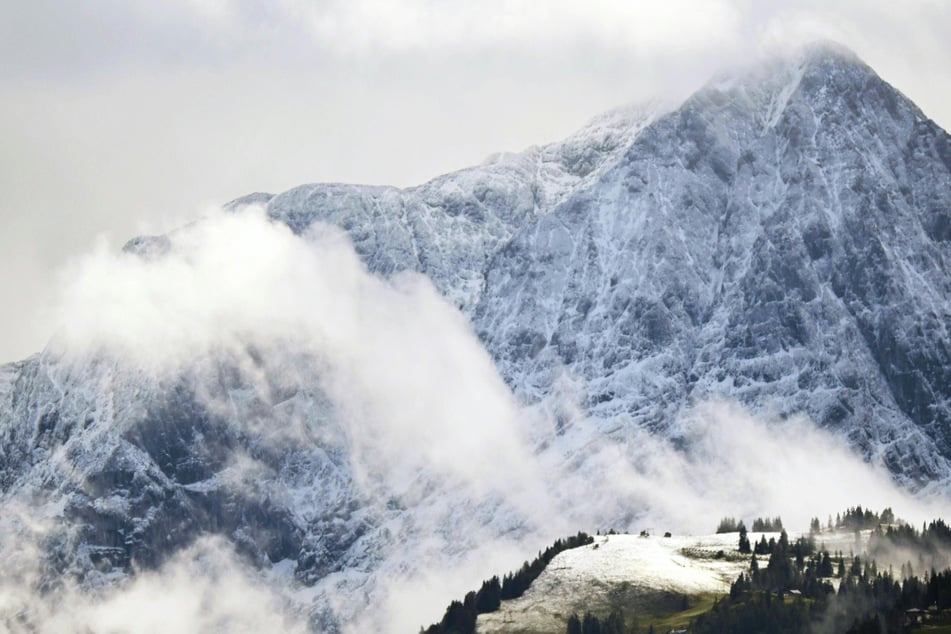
(614, 624)
(489, 597)
(455, 619)
(590, 624)
(744, 546)
(574, 624)
(888, 516)
(727, 525)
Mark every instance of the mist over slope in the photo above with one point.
(375, 396)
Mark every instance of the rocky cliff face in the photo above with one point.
(778, 241)
(783, 238)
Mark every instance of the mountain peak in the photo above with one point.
(821, 57)
(829, 51)
(822, 75)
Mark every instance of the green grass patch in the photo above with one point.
(667, 619)
(641, 609)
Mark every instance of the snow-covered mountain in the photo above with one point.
(782, 238)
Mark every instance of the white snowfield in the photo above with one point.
(627, 566)
(587, 577)
(683, 564)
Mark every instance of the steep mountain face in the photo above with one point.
(782, 239)
(452, 227)
(115, 468)
(778, 241)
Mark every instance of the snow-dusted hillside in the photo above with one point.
(783, 238)
(618, 568)
(648, 576)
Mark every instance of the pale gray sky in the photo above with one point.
(121, 117)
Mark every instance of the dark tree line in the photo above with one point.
(792, 594)
(516, 583)
(760, 525)
(858, 519)
(729, 525)
(590, 624)
(460, 616)
(767, 524)
(933, 539)
(800, 549)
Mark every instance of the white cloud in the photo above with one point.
(365, 26)
(204, 588)
(407, 373)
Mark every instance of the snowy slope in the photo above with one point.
(634, 571)
(619, 567)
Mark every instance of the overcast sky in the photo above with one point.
(120, 117)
